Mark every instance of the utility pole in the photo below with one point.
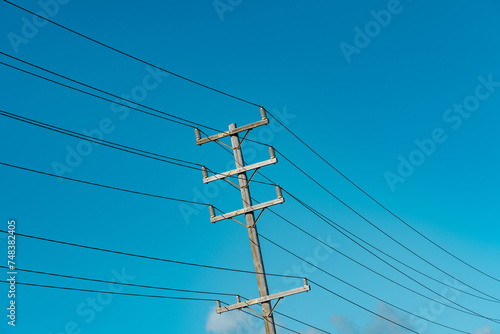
(251, 223)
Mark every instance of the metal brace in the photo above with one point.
(242, 140)
(256, 220)
(279, 299)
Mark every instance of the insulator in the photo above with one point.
(272, 154)
(263, 113)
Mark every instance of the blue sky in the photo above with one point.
(401, 96)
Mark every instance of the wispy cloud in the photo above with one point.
(485, 330)
(343, 325)
(234, 322)
(376, 325)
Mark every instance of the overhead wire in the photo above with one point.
(493, 299)
(131, 56)
(102, 185)
(378, 202)
(189, 122)
(200, 203)
(129, 294)
(151, 287)
(224, 94)
(265, 319)
(159, 157)
(147, 286)
(363, 291)
(274, 117)
(121, 283)
(124, 148)
(192, 264)
(374, 271)
(334, 225)
(98, 96)
(340, 229)
(362, 307)
(112, 292)
(465, 309)
(384, 232)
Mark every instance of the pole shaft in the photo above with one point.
(252, 233)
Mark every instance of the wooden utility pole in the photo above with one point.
(251, 223)
(252, 232)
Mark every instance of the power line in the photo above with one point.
(255, 104)
(96, 96)
(362, 307)
(282, 217)
(103, 142)
(120, 283)
(152, 287)
(468, 311)
(323, 217)
(133, 57)
(374, 271)
(191, 123)
(102, 185)
(359, 289)
(124, 148)
(128, 294)
(333, 224)
(112, 292)
(375, 200)
(294, 319)
(151, 257)
(265, 319)
(301, 322)
(337, 227)
(205, 87)
(382, 231)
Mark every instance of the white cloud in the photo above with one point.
(233, 322)
(376, 325)
(343, 325)
(382, 326)
(484, 330)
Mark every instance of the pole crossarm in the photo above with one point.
(243, 169)
(201, 141)
(260, 300)
(248, 209)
